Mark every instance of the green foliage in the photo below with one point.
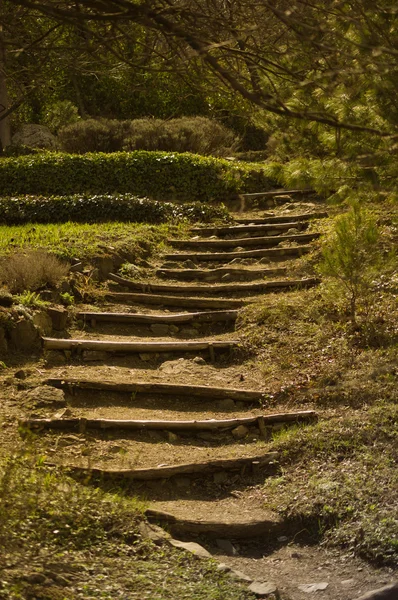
(28, 298)
(352, 257)
(159, 175)
(86, 208)
(60, 114)
(188, 134)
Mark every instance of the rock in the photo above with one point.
(45, 395)
(310, 588)
(283, 538)
(35, 578)
(69, 440)
(24, 336)
(189, 264)
(59, 318)
(145, 356)
(198, 360)
(105, 265)
(170, 265)
(43, 322)
(153, 532)
(35, 136)
(172, 437)
(182, 482)
(3, 342)
(238, 249)
(239, 576)
(189, 332)
(262, 590)
(144, 263)
(220, 477)
(240, 432)
(76, 268)
(191, 547)
(58, 579)
(227, 547)
(21, 374)
(6, 298)
(94, 355)
(389, 592)
(54, 357)
(173, 329)
(226, 277)
(227, 404)
(223, 568)
(159, 328)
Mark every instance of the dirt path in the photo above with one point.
(207, 495)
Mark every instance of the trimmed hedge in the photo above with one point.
(158, 175)
(83, 208)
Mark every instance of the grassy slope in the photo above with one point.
(339, 477)
(88, 544)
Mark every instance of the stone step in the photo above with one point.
(271, 253)
(211, 275)
(260, 242)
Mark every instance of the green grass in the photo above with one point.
(340, 479)
(84, 241)
(51, 524)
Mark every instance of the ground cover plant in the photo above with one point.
(102, 208)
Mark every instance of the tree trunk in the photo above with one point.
(5, 132)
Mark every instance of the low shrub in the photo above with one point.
(188, 134)
(84, 208)
(158, 175)
(31, 270)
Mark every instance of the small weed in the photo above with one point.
(67, 299)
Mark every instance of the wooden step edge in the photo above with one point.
(179, 301)
(192, 274)
(283, 218)
(242, 228)
(106, 346)
(279, 192)
(214, 529)
(145, 319)
(251, 241)
(166, 472)
(201, 391)
(214, 288)
(81, 423)
(227, 256)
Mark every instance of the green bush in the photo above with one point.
(158, 175)
(188, 134)
(83, 208)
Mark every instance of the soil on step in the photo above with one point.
(291, 565)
